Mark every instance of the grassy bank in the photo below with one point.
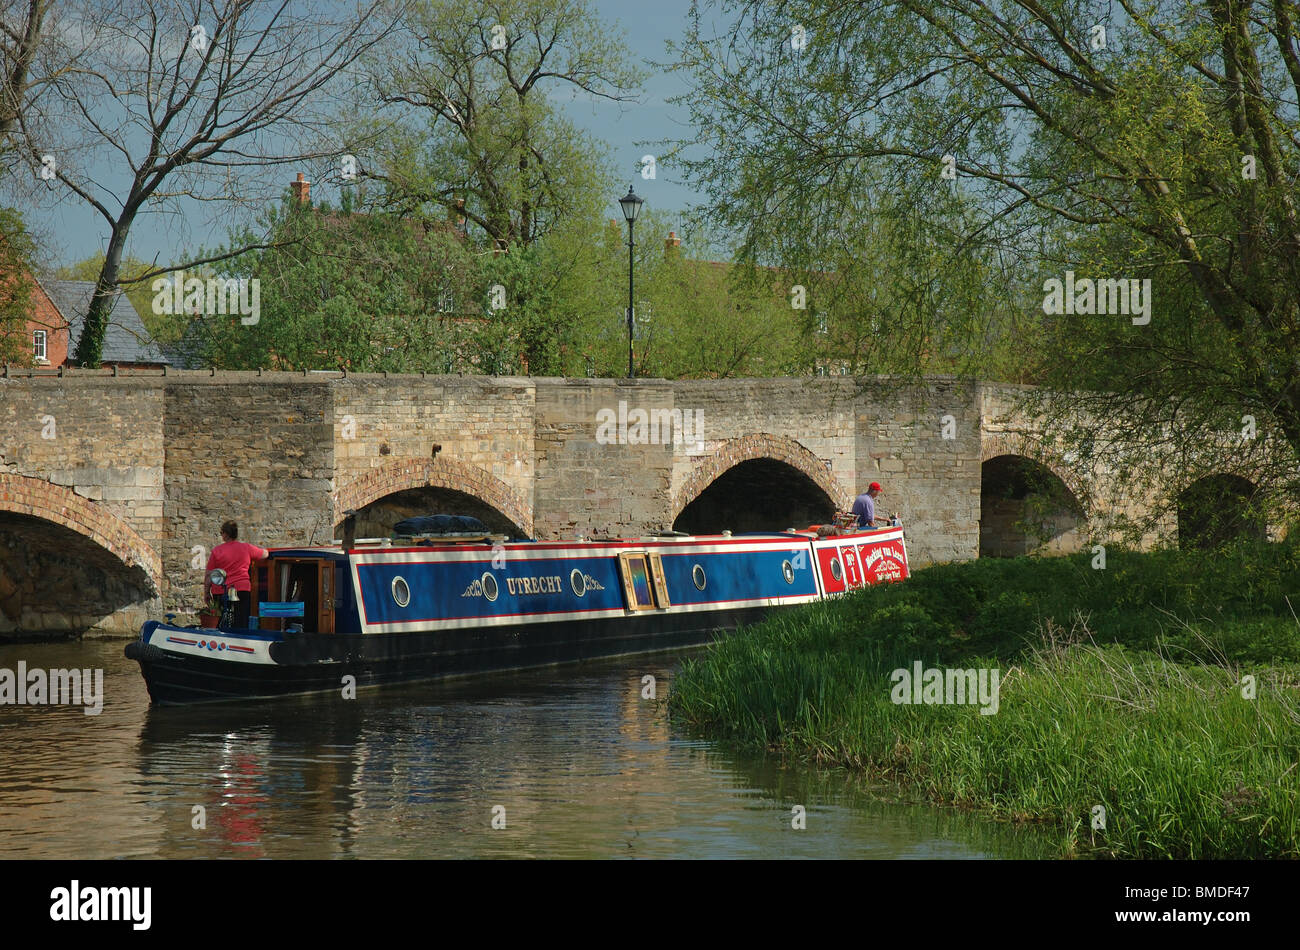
(1121, 688)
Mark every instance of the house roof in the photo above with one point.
(125, 340)
(187, 352)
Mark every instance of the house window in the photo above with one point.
(821, 323)
(446, 300)
(38, 345)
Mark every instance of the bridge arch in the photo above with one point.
(1030, 500)
(37, 498)
(419, 483)
(1216, 508)
(1014, 443)
(67, 564)
(749, 472)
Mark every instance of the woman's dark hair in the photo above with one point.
(230, 530)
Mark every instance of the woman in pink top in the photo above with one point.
(234, 557)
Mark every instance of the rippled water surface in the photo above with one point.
(573, 760)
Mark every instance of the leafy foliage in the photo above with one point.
(16, 287)
(356, 291)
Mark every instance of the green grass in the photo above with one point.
(1121, 688)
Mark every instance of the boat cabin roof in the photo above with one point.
(335, 550)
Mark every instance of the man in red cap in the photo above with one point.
(864, 506)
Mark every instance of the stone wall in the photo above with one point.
(922, 444)
(258, 450)
(585, 486)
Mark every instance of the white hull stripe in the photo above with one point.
(485, 554)
(212, 645)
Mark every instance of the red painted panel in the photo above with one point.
(883, 561)
(824, 557)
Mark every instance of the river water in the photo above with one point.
(568, 762)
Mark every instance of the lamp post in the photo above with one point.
(631, 208)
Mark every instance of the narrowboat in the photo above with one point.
(429, 603)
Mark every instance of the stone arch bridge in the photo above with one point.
(112, 488)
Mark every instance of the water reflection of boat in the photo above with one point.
(445, 598)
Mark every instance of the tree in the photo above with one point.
(21, 33)
(470, 122)
(365, 292)
(1121, 142)
(161, 328)
(694, 318)
(191, 99)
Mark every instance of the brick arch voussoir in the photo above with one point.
(761, 445)
(403, 474)
(58, 504)
(994, 446)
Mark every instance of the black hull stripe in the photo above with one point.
(318, 662)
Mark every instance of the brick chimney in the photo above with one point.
(301, 190)
(672, 242)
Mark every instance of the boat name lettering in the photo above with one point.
(878, 553)
(534, 585)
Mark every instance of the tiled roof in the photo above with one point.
(187, 352)
(125, 341)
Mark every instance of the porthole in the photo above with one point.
(401, 591)
(837, 570)
(697, 575)
(787, 569)
(490, 589)
(578, 582)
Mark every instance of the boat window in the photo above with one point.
(401, 591)
(635, 570)
(837, 569)
(660, 582)
(697, 575)
(578, 582)
(490, 589)
(787, 570)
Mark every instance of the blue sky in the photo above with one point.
(78, 232)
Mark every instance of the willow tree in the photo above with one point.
(1115, 141)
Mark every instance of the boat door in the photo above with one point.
(291, 579)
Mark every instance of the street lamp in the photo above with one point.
(631, 208)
